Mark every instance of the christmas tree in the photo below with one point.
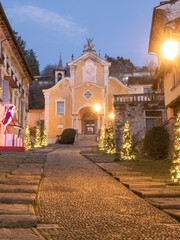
(110, 145)
(27, 139)
(102, 138)
(44, 142)
(37, 143)
(175, 168)
(126, 152)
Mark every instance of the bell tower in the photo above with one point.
(59, 72)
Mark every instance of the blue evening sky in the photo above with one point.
(51, 28)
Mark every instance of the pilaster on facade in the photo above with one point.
(72, 70)
(46, 95)
(106, 74)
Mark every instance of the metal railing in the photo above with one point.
(143, 97)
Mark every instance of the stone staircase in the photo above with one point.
(86, 140)
(158, 194)
(18, 194)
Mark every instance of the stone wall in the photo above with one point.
(135, 114)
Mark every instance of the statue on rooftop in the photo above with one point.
(89, 42)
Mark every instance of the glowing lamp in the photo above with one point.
(170, 49)
(97, 107)
(111, 115)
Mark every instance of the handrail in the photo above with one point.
(142, 97)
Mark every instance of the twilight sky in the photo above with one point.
(51, 28)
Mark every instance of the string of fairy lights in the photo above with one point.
(39, 142)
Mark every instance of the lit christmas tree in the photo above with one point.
(102, 138)
(27, 139)
(44, 142)
(37, 143)
(175, 168)
(126, 152)
(110, 145)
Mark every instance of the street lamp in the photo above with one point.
(97, 107)
(111, 116)
(170, 49)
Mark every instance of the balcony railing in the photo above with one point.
(136, 98)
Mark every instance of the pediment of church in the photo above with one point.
(89, 56)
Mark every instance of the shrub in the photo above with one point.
(68, 136)
(156, 142)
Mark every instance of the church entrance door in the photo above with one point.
(89, 127)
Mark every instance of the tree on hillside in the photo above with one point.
(120, 65)
(29, 54)
(48, 70)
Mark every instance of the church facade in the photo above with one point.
(83, 101)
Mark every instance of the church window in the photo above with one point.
(87, 94)
(60, 108)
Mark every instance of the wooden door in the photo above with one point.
(89, 126)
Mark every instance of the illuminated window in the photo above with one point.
(60, 108)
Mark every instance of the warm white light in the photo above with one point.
(170, 49)
(97, 107)
(111, 115)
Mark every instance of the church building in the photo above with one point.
(83, 101)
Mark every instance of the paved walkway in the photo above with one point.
(87, 203)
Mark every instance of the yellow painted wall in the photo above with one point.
(171, 93)
(35, 115)
(80, 100)
(63, 91)
(114, 88)
(78, 75)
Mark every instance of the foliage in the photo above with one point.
(102, 138)
(156, 142)
(110, 145)
(48, 70)
(37, 143)
(126, 152)
(29, 54)
(44, 142)
(68, 136)
(120, 65)
(27, 140)
(175, 168)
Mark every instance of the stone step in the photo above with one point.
(16, 209)
(175, 213)
(28, 171)
(26, 177)
(5, 188)
(17, 198)
(156, 192)
(31, 165)
(121, 173)
(17, 221)
(131, 185)
(133, 178)
(20, 181)
(113, 167)
(165, 203)
(35, 160)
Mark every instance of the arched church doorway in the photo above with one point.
(89, 121)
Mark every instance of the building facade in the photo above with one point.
(166, 27)
(84, 100)
(15, 75)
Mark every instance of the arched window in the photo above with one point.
(59, 76)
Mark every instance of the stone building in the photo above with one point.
(15, 74)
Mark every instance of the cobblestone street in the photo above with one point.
(87, 203)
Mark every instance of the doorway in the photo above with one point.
(89, 127)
